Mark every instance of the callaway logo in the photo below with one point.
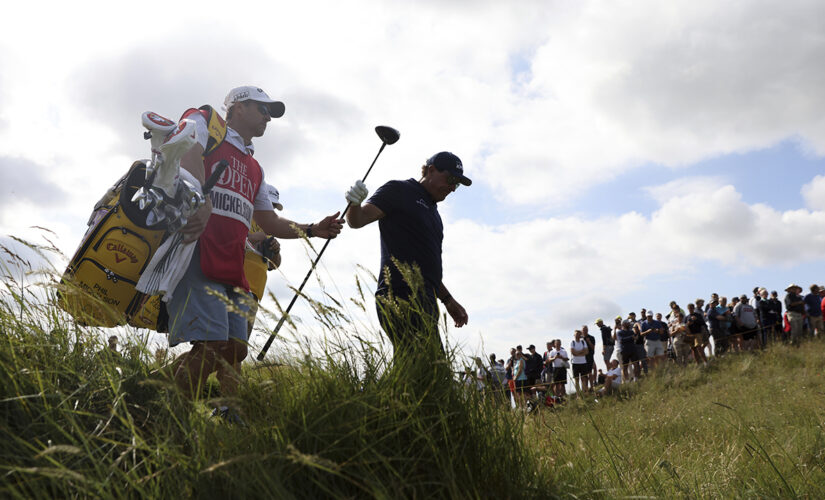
(242, 95)
(121, 252)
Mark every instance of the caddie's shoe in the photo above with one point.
(228, 415)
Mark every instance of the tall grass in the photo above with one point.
(340, 422)
(750, 425)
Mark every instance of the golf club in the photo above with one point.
(388, 135)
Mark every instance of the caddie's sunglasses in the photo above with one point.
(453, 180)
(263, 109)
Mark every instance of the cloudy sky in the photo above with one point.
(623, 153)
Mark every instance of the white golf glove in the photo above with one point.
(357, 193)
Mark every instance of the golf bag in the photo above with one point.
(127, 226)
(98, 287)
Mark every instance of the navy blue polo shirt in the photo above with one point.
(412, 232)
(626, 339)
(813, 305)
(650, 325)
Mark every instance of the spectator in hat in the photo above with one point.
(745, 318)
(795, 307)
(534, 363)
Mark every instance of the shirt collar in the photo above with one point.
(236, 140)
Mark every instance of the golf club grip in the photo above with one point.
(216, 174)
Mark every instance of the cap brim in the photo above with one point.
(276, 109)
(464, 180)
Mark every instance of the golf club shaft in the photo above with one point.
(309, 273)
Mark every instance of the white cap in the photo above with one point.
(249, 93)
(274, 196)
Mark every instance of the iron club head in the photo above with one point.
(387, 134)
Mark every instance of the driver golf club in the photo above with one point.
(388, 135)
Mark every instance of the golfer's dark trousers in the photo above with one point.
(411, 326)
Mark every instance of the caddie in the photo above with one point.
(197, 314)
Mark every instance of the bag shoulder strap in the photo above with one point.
(216, 126)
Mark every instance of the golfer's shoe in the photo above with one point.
(228, 415)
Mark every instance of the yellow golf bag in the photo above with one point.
(98, 287)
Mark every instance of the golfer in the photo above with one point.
(411, 237)
(218, 334)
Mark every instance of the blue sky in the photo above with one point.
(622, 153)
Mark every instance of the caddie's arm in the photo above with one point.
(192, 162)
(280, 227)
(455, 309)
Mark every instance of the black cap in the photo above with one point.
(451, 163)
(531, 346)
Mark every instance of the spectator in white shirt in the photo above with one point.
(579, 350)
(559, 358)
(613, 378)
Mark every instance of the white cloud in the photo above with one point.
(814, 193)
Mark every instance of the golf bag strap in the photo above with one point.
(216, 127)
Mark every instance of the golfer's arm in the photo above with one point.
(278, 227)
(443, 294)
(359, 216)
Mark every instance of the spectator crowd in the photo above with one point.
(633, 345)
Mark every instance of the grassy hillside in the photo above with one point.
(78, 422)
(339, 423)
(748, 425)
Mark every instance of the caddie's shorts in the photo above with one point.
(196, 315)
